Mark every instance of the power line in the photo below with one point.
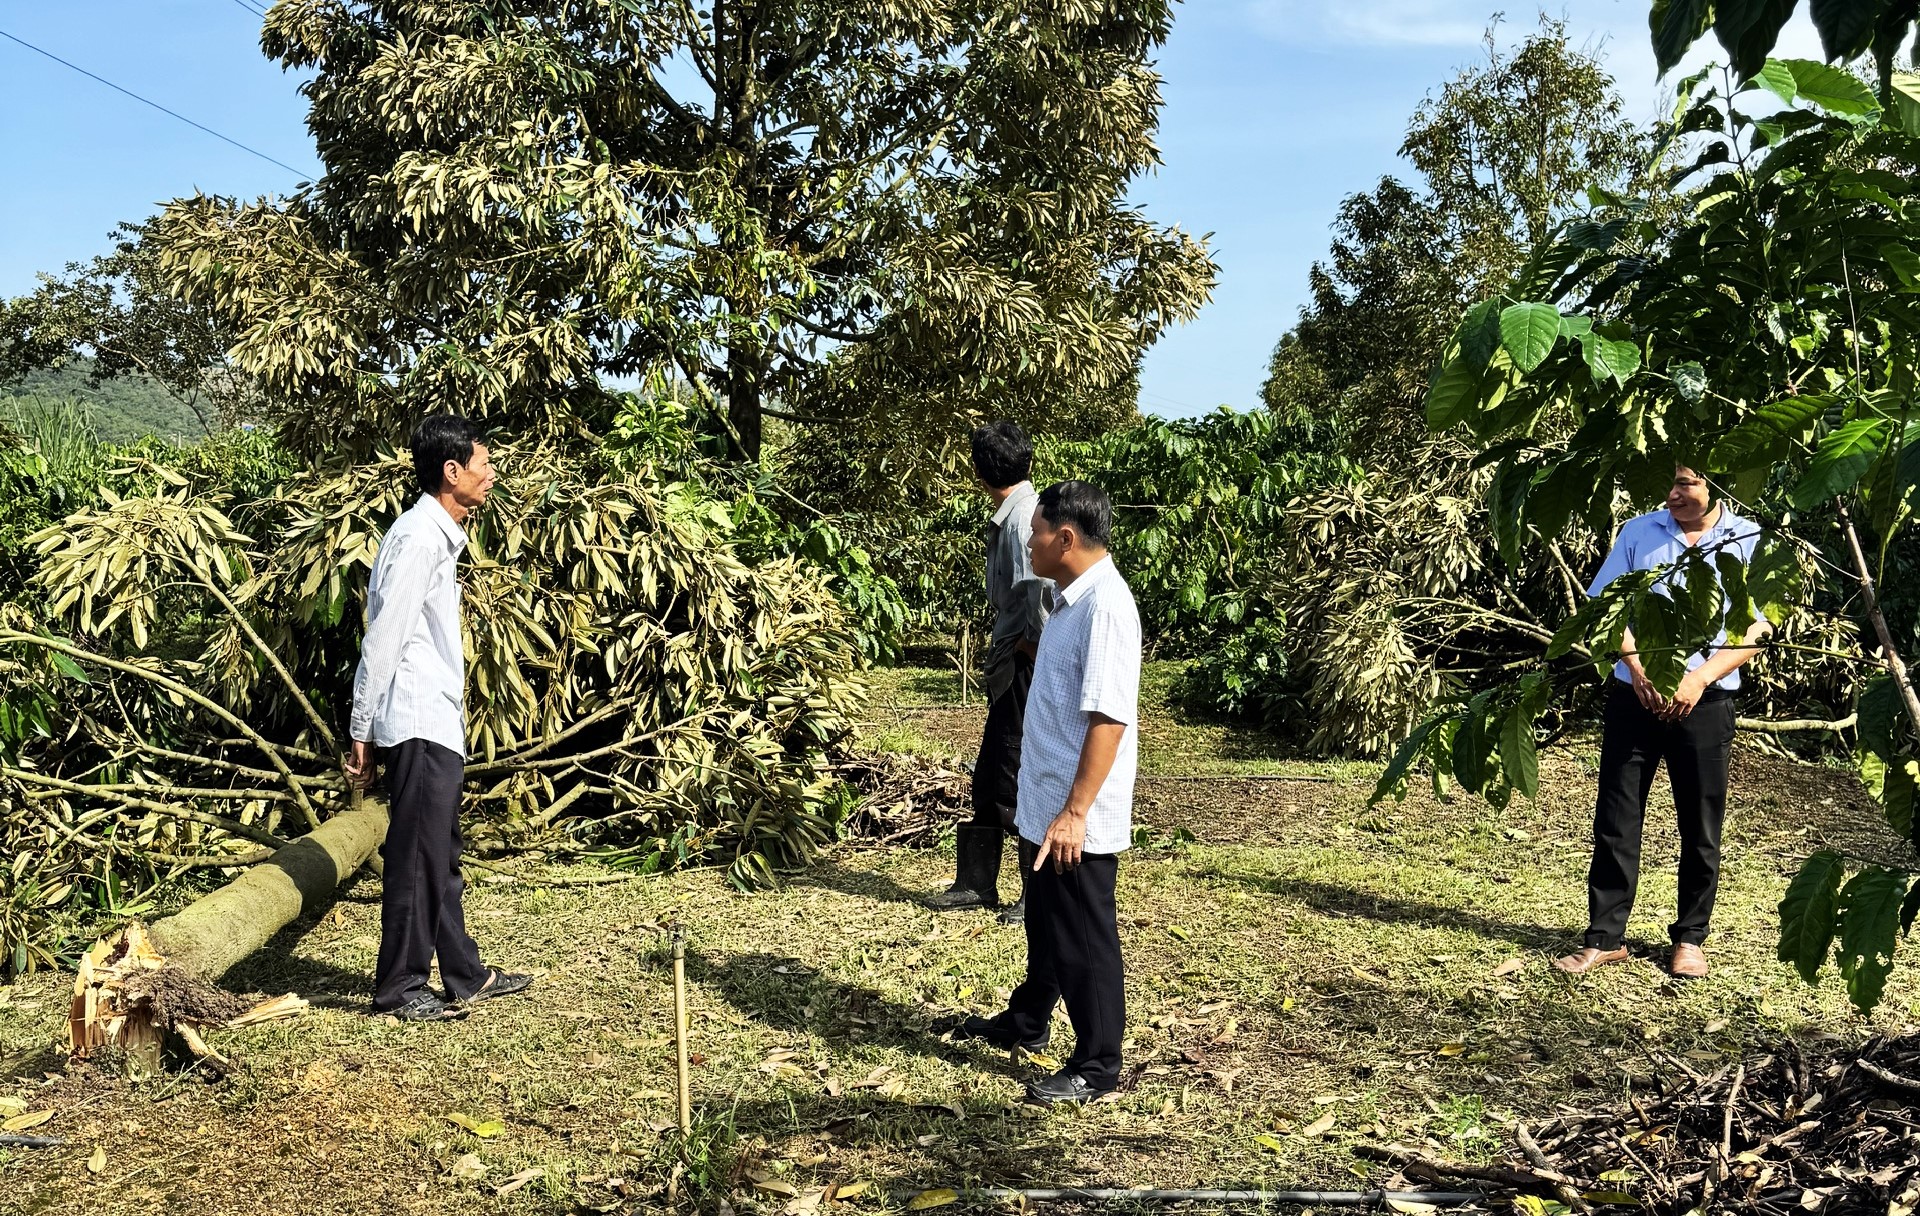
(156, 105)
(251, 7)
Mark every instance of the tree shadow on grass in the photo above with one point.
(993, 1145)
(867, 884)
(1329, 899)
(788, 994)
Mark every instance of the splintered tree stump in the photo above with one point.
(139, 985)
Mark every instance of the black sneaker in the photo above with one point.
(499, 983)
(996, 1033)
(1063, 1088)
(427, 1007)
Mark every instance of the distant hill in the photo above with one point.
(122, 409)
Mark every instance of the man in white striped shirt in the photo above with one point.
(1078, 761)
(409, 703)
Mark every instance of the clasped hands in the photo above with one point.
(1674, 708)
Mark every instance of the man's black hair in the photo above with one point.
(1081, 505)
(438, 439)
(1002, 454)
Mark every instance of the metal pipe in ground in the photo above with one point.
(1331, 1199)
(680, 1030)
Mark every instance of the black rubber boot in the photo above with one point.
(1015, 913)
(977, 877)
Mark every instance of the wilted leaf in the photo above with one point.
(97, 1163)
(776, 1186)
(847, 1190)
(469, 1168)
(20, 1123)
(517, 1181)
(1510, 967)
(1453, 1049)
(1268, 1140)
(1319, 1127)
(938, 1197)
(486, 1129)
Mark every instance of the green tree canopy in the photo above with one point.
(905, 208)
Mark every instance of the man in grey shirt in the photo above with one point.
(409, 703)
(1002, 459)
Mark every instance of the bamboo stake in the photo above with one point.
(680, 1029)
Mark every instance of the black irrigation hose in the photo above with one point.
(1331, 1199)
(32, 1142)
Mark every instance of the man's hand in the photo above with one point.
(1643, 688)
(359, 764)
(1065, 836)
(1685, 697)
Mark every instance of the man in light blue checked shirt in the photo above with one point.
(1692, 731)
(1075, 811)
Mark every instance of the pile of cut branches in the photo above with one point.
(904, 800)
(1789, 1132)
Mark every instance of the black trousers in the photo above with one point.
(420, 912)
(996, 774)
(1073, 953)
(1696, 750)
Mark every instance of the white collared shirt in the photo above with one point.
(410, 681)
(1089, 663)
(1649, 541)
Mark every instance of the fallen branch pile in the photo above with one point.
(1788, 1133)
(904, 800)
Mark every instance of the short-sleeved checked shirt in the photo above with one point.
(1089, 662)
(1647, 542)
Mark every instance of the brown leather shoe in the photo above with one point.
(1689, 962)
(1582, 961)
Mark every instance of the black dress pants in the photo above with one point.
(420, 912)
(1696, 750)
(1073, 953)
(996, 774)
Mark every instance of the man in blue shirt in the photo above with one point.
(1691, 730)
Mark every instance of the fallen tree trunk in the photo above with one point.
(140, 984)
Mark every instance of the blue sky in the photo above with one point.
(1276, 110)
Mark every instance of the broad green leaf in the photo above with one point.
(1528, 331)
(1519, 749)
(1473, 747)
(1843, 456)
(68, 668)
(1574, 327)
(1608, 357)
(1869, 926)
(1878, 711)
(1810, 912)
(1777, 78)
(1677, 25)
(1773, 579)
(1393, 778)
(1904, 263)
(1662, 639)
(1846, 26)
(1832, 89)
(1905, 87)
(1910, 908)
(1478, 335)
(1455, 395)
(1897, 794)
(1741, 610)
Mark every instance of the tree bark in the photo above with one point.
(207, 937)
(743, 404)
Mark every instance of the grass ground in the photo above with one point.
(1306, 974)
